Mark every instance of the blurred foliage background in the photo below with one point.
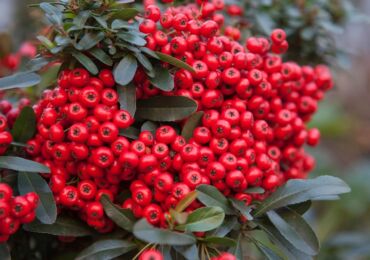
(334, 32)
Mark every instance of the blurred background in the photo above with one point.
(334, 32)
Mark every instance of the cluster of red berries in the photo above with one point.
(153, 254)
(15, 211)
(11, 62)
(252, 132)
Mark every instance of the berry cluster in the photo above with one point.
(153, 254)
(251, 134)
(11, 62)
(15, 211)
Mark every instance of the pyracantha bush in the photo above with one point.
(211, 130)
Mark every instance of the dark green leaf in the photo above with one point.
(296, 191)
(80, 20)
(106, 249)
(255, 190)
(296, 230)
(149, 126)
(237, 250)
(173, 61)
(211, 196)
(131, 132)
(46, 42)
(125, 14)
(52, 11)
(63, 226)
(223, 241)
(127, 98)
(165, 108)
(4, 252)
(132, 38)
(192, 123)
(90, 40)
(101, 20)
(267, 252)
(146, 232)
(49, 76)
(125, 70)
(302, 207)
(229, 223)
(149, 52)
(22, 165)
(86, 62)
(162, 79)
(25, 125)
(119, 24)
(189, 252)
(122, 217)
(19, 80)
(101, 56)
(242, 208)
(144, 61)
(287, 248)
(186, 201)
(46, 210)
(203, 219)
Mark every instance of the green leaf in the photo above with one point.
(189, 252)
(127, 98)
(4, 252)
(302, 207)
(149, 126)
(49, 76)
(211, 196)
(46, 210)
(122, 217)
(173, 61)
(149, 52)
(165, 108)
(20, 80)
(179, 217)
(296, 191)
(89, 40)
(222, 241)
(125, 70)
(131, 132)
(242, 208)
(125, 14)
(119, 24)
(162, 79)
(106, 249)
(192, 123)
(229, 224)
(80, 20)
(267, 252)
(144, 61)
(186, 201)
(45, 41)
(63, 226)
(284, 245)
(296, 230)
(203, 219)
(22, 165)
(101, 20)
(52, 12)
(25, 125)
(132, 38)
(86, 62)
(237, 250)
(101, 56)
(146, 232)
(255, 190)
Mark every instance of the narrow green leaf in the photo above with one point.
(146, 232)
(302, 207)
(222, 241)
(80, 20)
(255, 190)
(165, 108)
(144, 61)
(132, 38)
(90, 40)
(49, 76)
(45, 41)
(122, 217)
(162, 79)
(242, 208)
(46, 210)
(296, 191)
(211, 196)
(267, 252)
(203, 219)
(192, 123)
(173, 61)
(4, 252)
(119, 24)
(106, 249)
(125, 70)
(37, 63)
(125, 14)
(101, 56)
(101, 20)
(149, 52)
(131, 132)
(179, 217)
(63, 226)
(25, 125)
(149, 126)
(229, 224)
(188, 252)
(186, 201)
(20, 80)
(22, 165)
(127, 98)
(86, 62)
(52, 11)
(237, 250)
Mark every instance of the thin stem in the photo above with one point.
(142, 250)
